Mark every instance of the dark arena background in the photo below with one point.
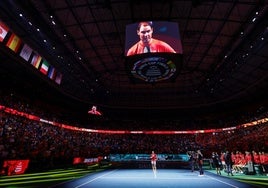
(90, 90)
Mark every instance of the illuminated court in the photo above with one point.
(171, 178)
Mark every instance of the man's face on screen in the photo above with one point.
(145, 32)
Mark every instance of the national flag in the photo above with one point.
(26, 52)
(51, 73)
(36, 60)
(3, 31)
(58, 78)
(14, 42)
(44, 67)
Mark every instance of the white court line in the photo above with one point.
(222, 181)
(98, 177)
(139, 177)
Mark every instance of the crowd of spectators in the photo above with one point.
(49, 146)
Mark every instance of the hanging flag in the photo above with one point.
(3, 31)
(14, 42)
(26, 52)
(58, 78)
(44, 67)
(36, 60)
(51, 73)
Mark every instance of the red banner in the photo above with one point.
(15, 167)
(81, 160)
(78, 160)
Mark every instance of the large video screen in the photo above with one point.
(152, 37)
(153, 51)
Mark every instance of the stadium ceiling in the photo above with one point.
(225, 51)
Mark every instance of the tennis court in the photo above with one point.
(171, 178)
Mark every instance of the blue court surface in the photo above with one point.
(142, 178)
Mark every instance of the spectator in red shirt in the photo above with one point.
(256, 158)
(248, 157)
(153, 160)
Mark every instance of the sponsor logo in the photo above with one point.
(153, 69)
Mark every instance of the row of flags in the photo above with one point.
(13, 42)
